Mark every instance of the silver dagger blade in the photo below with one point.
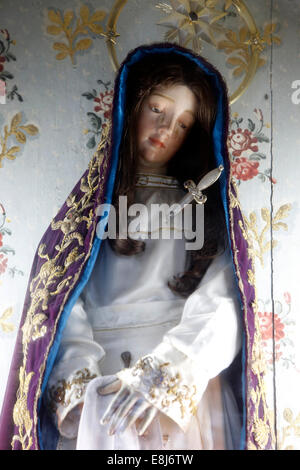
(208, 180)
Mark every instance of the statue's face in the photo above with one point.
(165, 120)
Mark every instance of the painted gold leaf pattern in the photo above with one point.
(16, 120)
(6, 326)
(83, 44)
(30, 129)
(14, 130)
(54, 30)
(228, 3)
(239, 47)
(21, 137)
(53, 16)
(290, 430)
(256, 238)
(288, 415)
(82, 25)
(193, 21)
(50, 281)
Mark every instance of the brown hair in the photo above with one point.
(192, 161)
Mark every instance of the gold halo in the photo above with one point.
(243, 11)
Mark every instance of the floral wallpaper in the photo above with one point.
(102, 106)
(241, 140)
(6, 55)
(56, 85)
(84, 24)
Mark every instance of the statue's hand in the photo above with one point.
(126, 408)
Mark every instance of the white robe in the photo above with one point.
(127, 306)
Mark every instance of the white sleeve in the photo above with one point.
(174, 376)
(76, 364)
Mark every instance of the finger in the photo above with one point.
(113, 405)
(116, 401)
(112, 387)
(122, 412)
(139, 421)
(147, 420)
(140, 406)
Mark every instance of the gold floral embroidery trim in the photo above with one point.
(252, 231)
(21, 415)
(259, 429)
(76, 387)
(157, 380)
(41, 289)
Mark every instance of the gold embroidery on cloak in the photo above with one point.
(40, 289)
(259, 429)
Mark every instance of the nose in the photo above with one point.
(166, 125)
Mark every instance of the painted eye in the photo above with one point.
(155, 109)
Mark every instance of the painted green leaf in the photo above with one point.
(6, 249)
(251, 125)
(88, 96)
(91, 142)
(95, 120)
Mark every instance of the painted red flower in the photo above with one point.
(244, 169)
(259, 114)
(242, 140)
(266, 326)
(3, 264)
(287, 297)
(105, 103)
(2, 87)
(2, 60)
(1, 238)
(269, 353)
(278, 354)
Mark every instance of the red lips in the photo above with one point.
(156, 142)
